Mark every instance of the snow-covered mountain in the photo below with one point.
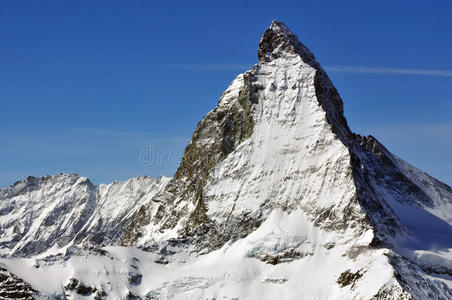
(274, 197)
(39, 214)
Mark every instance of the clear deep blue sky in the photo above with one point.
(86, 86)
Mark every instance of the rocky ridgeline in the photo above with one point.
(12, 287)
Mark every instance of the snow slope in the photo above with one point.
(275, 197)
(40, 214)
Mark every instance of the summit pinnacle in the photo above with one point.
(277, 39)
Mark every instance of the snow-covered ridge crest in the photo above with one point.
(38, 214)
(278, 41)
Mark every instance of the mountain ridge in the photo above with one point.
(275, 196)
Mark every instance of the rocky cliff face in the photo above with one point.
(274, 197)
(277, 133)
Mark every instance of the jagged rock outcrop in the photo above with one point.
(274, 197)
(12, 287)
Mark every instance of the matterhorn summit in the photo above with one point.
(275, 197)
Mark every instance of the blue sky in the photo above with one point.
(94, 87)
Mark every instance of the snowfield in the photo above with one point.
(230, 272)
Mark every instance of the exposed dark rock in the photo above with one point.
(12, 287)
(134, 229)
(79, 287)
(227, 127)
(275, 280)
(132, 296)
(410, 276)
(437, 270)
(100, 295)
(135, 278)
(281, 257)
(347, 278)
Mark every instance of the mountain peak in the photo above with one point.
(281, 27)
(274, 196)
(279, 39)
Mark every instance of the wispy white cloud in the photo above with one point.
(384, 70)
(340, 69)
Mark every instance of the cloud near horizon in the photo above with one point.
(338, 69)
(384, 70)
